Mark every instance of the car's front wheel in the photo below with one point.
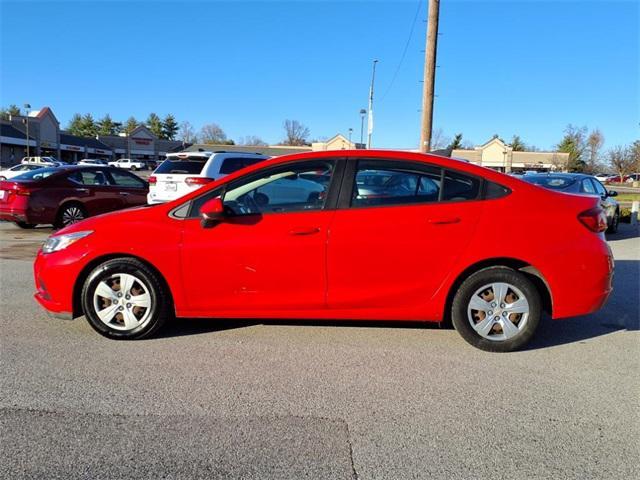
(497, 309)
(124, 299)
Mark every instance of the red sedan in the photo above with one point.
(345, 235)
(65, 195)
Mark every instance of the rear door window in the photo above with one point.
(123, 179)
(231, 165)
(380, 183)
(460, 187)
(89, 177)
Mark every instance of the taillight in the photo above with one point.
(153, 180)
(594, 219)
(22, 191)
(191, 181)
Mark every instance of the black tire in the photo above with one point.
(133, 168)
(160, 304)
(476, 281)
(26, 226)
(66, 209)
(613, 228)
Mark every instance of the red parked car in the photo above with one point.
(65, 195)
(368, 235)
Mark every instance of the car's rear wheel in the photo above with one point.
(124, 299)
(69, 214)
(497, 309)
(25, 225)
(134, 168)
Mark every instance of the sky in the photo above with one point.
(504, 67)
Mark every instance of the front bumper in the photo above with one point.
(55, 275)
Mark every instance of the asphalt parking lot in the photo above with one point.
(219, 399)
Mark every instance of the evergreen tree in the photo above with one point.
(106, 126)
(155, 125)
(517, 145)
(456, 143)
(88, 127)
(574, 143)
(75, 125)
(130, 125)
(169, 127)
(11, 111)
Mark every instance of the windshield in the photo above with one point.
(37, 174)
(550, 181)
(189, 165)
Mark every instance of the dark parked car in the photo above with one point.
(62, 196)
(583, 185)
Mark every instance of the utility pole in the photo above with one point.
(363, 112)
(370, 124)
(429, 75)
(27, 107)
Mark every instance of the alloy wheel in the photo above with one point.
(71, 215)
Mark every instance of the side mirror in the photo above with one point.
(212, 212)
(612, 193)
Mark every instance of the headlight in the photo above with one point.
(60, 242)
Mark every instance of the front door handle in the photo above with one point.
(82, 190)
(305, 231)
(444, 220)
(124, 193)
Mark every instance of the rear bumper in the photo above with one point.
(588, 288)
(14, 215)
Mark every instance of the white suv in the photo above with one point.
(128, 163)
(185, 172)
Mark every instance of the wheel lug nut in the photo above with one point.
(493, 305)
(504, 314)
(120, 308)
(128, 305)
(119, 295)
(502, 305)
(128, 297)
(490, 313)
(496, 318)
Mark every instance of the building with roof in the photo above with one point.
(47, 139)
(498, 155)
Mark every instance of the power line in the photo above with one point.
(404, 52)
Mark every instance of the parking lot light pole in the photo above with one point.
(350, 132)
(363, 112)
(27, 108)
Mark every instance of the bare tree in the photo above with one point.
(252, 140)
(296, 133)
(439, 140)
(187, 133)
(622, 161)
(595, 140)
(212, 133)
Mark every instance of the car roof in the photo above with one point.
(559, 174)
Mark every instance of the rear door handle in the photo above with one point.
(305, 231)
(124, 193)
(444, 221)
(82, 190)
